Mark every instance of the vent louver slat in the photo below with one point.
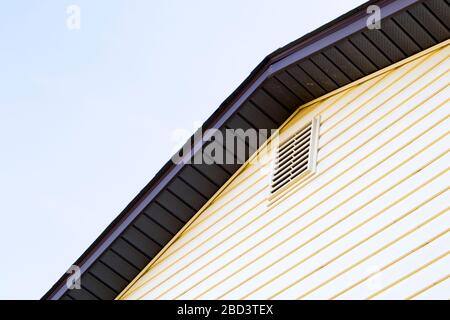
(296, 156)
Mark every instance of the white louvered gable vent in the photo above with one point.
(296, 157)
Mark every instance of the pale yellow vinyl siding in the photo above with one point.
(371, 222)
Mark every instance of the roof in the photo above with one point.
(336, 54)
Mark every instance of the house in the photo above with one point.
(344, 196)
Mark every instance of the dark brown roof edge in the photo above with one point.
(310, 43)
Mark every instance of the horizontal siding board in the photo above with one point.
(419, 279)
(381, 148)
(228, 200)
(396, 250)
(374, 140)
(419, 93)
(376, 95)
(389, 273)
(340, 102)
(378, 193)
(313, 253)
(232, 212)
(335, 259)
(289, 220)
(435, 290)
(210, 237)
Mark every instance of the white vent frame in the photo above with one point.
(294, 166)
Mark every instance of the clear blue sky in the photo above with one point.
(88, 116)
